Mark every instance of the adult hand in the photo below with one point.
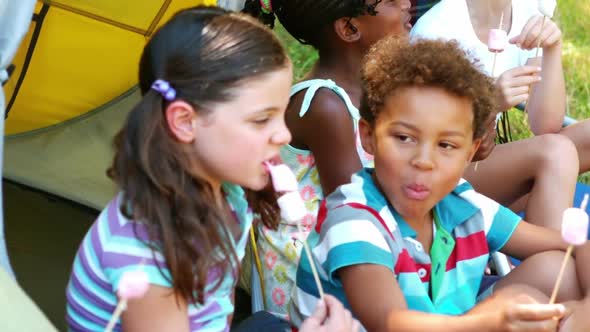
(330, 316)
(531, 33)
(513, 85)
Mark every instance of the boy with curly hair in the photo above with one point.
(404, 245)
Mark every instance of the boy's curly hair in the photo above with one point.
(394, 63)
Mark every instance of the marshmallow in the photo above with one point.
(497, 40)
(283, 178)
(574, 228)
(292, 206)
(133, 285)
(547, 7)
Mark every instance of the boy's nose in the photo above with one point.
(423, 159)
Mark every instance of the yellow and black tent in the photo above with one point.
(72, 81)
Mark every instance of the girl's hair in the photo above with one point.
(393, 64)
(305, 20)
(205, 54)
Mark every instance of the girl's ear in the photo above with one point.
(366, 134)
(180, 118)
(347, 29)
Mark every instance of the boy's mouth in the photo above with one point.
(416, 192)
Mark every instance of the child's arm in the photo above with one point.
(547, 102)
(377, 301)
(328, 131)
(159, 310)
(528, 239)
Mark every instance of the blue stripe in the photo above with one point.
(504, 224)
(354, 253)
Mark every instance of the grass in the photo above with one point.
(572, 17)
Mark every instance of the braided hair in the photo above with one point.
(306, 19)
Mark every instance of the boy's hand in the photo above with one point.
(528, 38)
(530, 317)
(513, 85)
(330, 316)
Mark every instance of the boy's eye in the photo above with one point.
(403, 138)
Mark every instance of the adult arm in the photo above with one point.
(547, 102)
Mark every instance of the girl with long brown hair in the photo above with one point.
(215, 86)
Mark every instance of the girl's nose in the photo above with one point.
(282, 135)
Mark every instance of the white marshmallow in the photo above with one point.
(283, 179)
(292, 207)
(547, 7)
(574, 228)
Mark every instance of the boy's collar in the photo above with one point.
(452, 210)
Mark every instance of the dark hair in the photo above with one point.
(393, 63)
(305, 20)
(204, 53)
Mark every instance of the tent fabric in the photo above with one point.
(16, 16)
(79, 55)
(74, 83)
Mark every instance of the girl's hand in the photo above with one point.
(513, 85)
(530, 317)
(528, 38)
(330, 316)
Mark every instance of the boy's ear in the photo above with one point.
(474, 148)
(366, 134)
(180, 118)
(347, 29)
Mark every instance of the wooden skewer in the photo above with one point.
(316, 276)
(493, 74)
(121, 306)
(568, 253)
(526, 106)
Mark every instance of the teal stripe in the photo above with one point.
(463, 187)
(88, 325)
(355, 253)
(467, 273)
(306, 283)
(412, 285)
(419, 303)
(154, 275)
(83, 302)
(90, 285)
(459, 302)
(504, 224)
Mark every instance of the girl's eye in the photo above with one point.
(261, 121)
(446, 145)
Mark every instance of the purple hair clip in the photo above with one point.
(165, 89)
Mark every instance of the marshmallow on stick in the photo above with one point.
(133, 285)
(574, 230)
(292, 208)
(497, 41)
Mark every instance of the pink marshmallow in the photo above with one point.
(497, 40)
(574, 228)
(133, 285)
(283, 178)
(292, 206)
